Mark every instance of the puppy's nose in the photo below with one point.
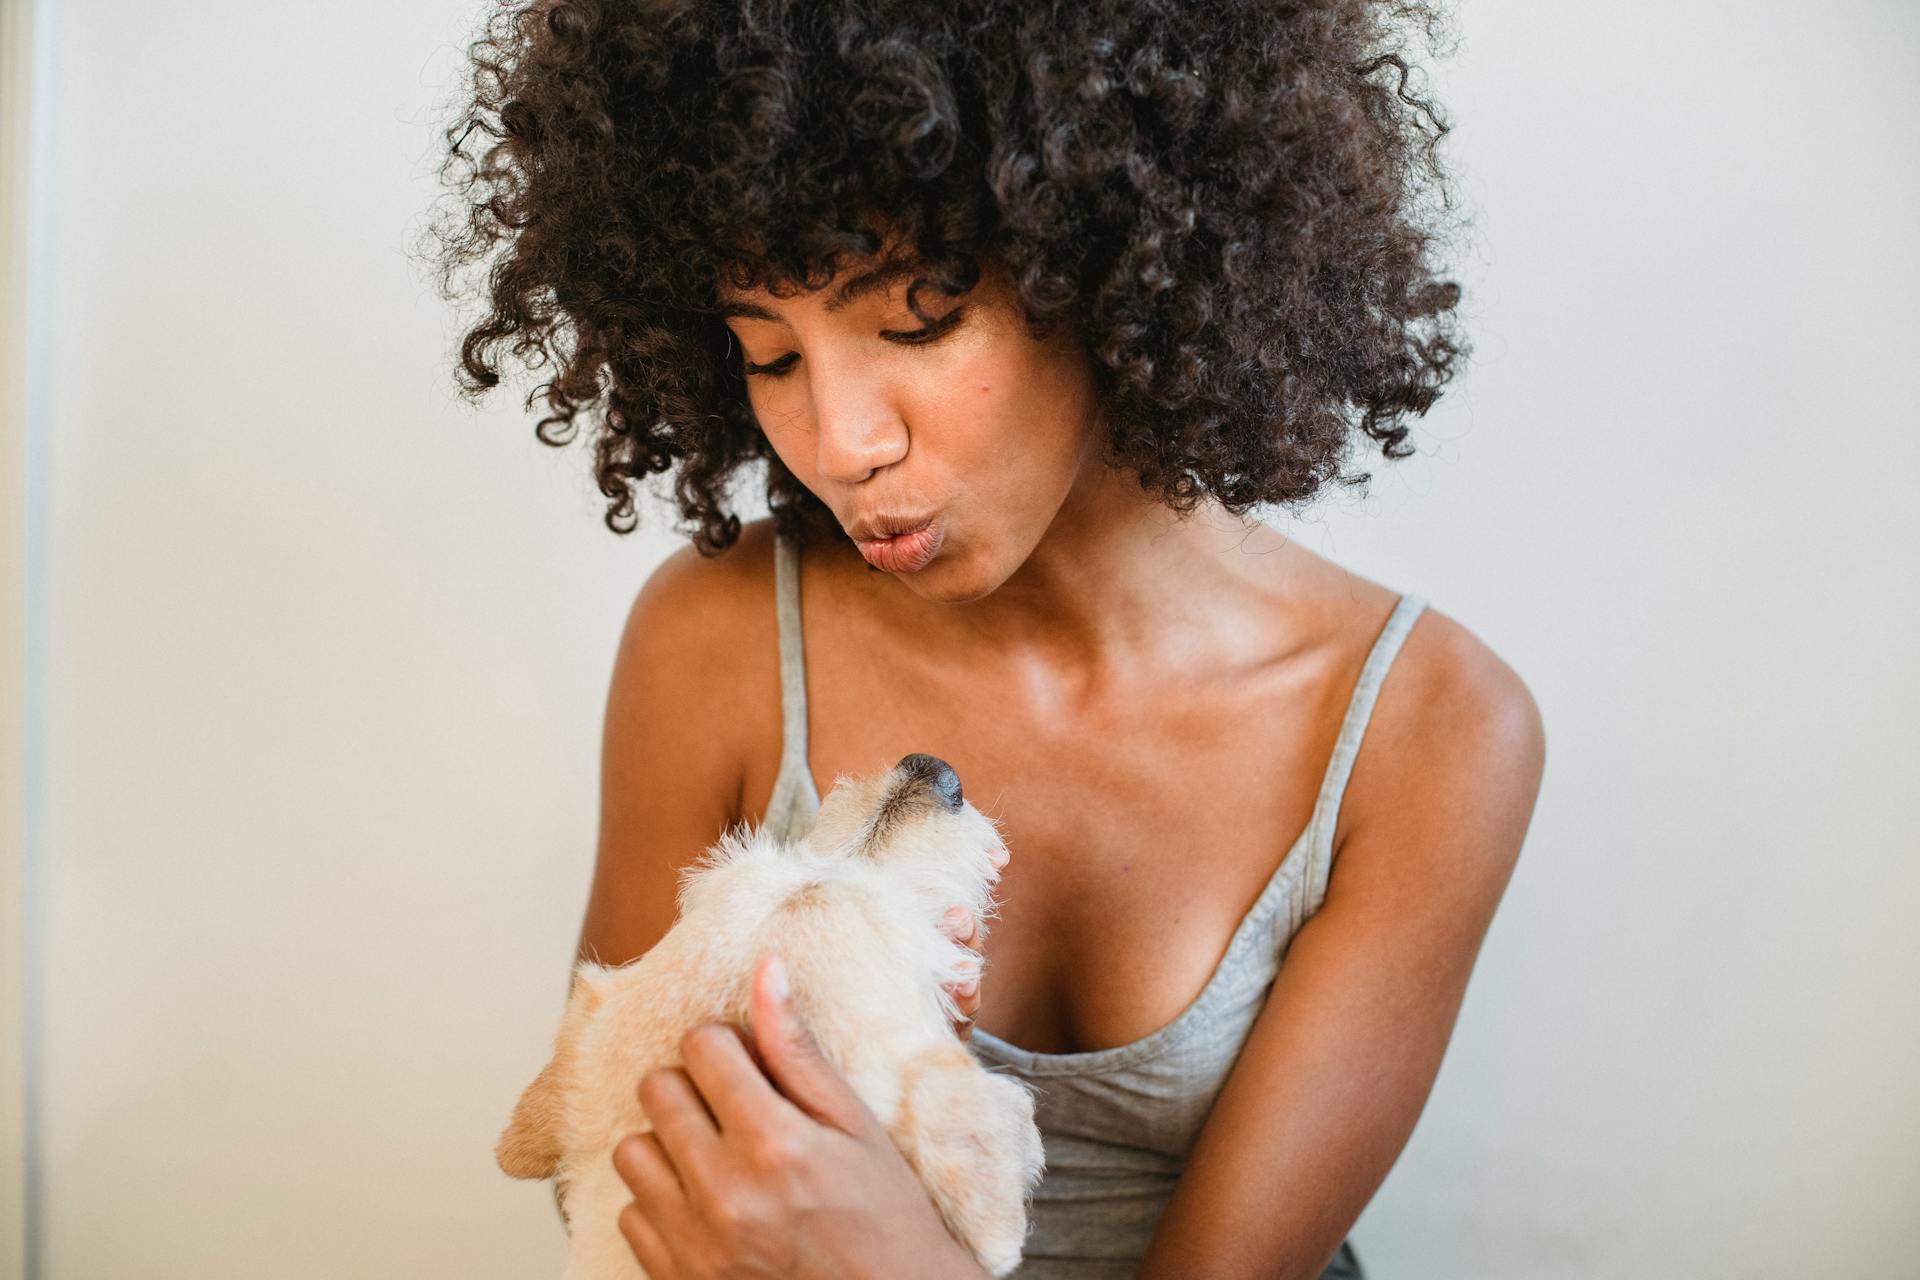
(933, 773)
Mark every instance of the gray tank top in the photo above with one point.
(1118, 1124)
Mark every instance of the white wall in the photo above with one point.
(323, 658)
(17, 82)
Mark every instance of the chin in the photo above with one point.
(953, 579)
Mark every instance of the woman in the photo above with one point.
(1024, 308)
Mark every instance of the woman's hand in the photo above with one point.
(763, 1162)
(961, 925)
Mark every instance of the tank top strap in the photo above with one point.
(795, 796)
(793, 657)
(1353, 728)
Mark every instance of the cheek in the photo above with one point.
(1016, 442)
(792, 445)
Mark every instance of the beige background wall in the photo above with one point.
(322, 658)
(17, 83)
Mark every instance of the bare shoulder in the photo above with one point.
(687, 703)
(1450, 764)
(738, 581)
(701, 629)
(1445, 679)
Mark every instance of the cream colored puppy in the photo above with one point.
(854, 911)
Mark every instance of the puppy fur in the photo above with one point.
(854, 911)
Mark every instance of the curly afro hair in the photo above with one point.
(1229, 203)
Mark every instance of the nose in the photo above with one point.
(920, 769)
(851, 450)
(858, 429)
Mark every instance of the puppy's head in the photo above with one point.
(913, 822)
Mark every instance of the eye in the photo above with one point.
(778, 369)
(917, 338)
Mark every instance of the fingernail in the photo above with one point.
(955, 915)
(967, 990)
(777, 978)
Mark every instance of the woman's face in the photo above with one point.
(965, 420)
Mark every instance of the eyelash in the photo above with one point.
(932, 333)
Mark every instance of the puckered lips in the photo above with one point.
(898, 543)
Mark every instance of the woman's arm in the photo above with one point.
(685, 692)
(1340, 1061)
(670, 775)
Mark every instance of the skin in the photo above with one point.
(1147, 704)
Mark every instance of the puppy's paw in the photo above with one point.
(970, 1136)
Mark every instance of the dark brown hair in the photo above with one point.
(1234, 205)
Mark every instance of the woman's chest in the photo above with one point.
(1141, 833)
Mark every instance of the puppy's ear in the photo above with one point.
(530, 1147)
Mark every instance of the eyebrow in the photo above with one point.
(848, 293)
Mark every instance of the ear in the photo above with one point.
(530, 1147)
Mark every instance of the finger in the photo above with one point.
(968, 970)
(648, 1174)
(681, 1123)
(645, 1242)
(961, 925)
(793, 1057)
(966, 1003)
(730, 1078)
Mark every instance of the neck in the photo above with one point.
(1121, 587)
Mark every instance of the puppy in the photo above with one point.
(854, 911)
